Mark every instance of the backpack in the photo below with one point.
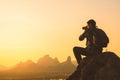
(102, 39)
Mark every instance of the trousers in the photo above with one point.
(78, 51)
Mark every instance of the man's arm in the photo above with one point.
(82, 37)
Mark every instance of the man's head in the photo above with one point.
(91, 24)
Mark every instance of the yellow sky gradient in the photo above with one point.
(30, 29)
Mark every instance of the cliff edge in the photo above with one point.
(105, 66)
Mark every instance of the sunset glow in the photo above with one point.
(30, 29)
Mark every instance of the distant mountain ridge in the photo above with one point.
(48, 60)
(45, 64)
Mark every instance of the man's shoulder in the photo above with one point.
(99, 30)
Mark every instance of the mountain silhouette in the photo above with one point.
(67, 66)
(46, 64)
(48, 61)
(28, 66)
(25, 64)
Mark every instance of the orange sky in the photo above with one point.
(30, 29)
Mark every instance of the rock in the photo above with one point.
(105, 66)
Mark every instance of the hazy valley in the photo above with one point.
(45, 68)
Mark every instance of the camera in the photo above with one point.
(84, 28)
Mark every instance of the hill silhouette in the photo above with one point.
(105, 66)
(46, 64)
(45, 68)
(48, 60)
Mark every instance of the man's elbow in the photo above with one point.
(81, 38)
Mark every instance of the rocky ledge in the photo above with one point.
(105, 66)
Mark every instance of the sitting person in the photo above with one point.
(96, 39)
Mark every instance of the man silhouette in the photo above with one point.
(92, 41)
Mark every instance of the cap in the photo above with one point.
(91, 21)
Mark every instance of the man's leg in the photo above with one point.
(77, 53)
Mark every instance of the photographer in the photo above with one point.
(93, 46)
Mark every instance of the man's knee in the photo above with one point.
(75, 49)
